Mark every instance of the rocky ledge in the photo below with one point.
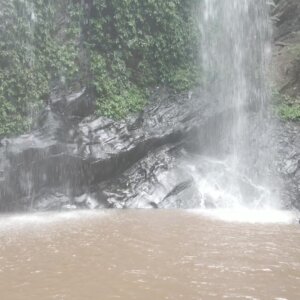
(70, 161)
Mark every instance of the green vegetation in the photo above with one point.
(134, 45)
(118, 49)
(34, 57)
(287, 107)
(289, 112)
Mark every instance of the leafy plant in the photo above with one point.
(184, 79)
(287, 107)
(118, 49)
(34, 56)
(119, 106)
(289, 112)
(134, 45)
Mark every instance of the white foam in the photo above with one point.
(246, 215)
(36, 219)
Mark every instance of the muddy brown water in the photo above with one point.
(146, 255)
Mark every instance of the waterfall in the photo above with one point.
(210, 148)
(236, 49)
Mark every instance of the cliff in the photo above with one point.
(286, 62)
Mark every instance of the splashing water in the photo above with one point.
(252, 216)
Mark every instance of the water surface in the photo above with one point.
(147, 255)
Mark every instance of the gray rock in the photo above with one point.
(91, 203)
(75, 157)
(290, 166)
(78, 104)
(286, 143)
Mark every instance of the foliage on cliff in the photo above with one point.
(118, 49)
(287, 107)
(139, 44)
(34, 55)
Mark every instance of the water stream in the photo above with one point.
(236, 49)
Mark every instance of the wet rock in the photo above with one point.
(177, 197)
(286, 62)
(75, 156)
(142, 183)
(287, 145)
(78, 104)
(290, 166)
(153, 204)
(52, 201)
(80, 200)
(91, 203)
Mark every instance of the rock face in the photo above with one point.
(288, 161)
(70, 162)
(286, 61)
(286, 75)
